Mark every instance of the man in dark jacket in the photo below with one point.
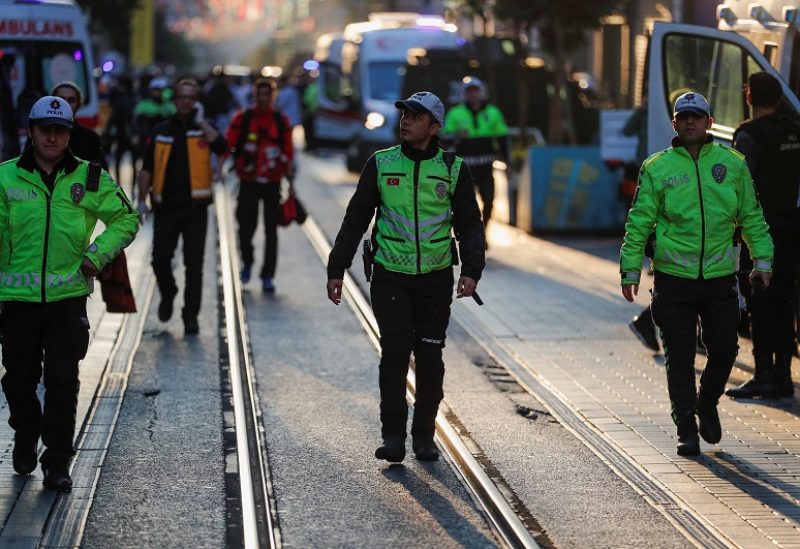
(177, 170)
(419, 195)
(83, 142)
(770, 143)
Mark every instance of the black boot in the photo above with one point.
(762, 384)
(424, 447)
(393, 449)
(710, 427)
(688, 441)
(782, 379)
(645, 330)
(56, 477)
(25, 455)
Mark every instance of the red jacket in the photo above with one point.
(265, 154)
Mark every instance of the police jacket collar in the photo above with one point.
(418, 154)
(28, 162)
(676, 143)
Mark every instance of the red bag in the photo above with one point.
(115, 286)
(292, 210)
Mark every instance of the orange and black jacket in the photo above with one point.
(179, 157)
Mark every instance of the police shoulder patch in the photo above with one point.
(441, 189)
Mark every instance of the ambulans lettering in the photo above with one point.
(22, 27)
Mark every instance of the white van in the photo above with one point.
(717, 62)
(44, 42)
(361, 77)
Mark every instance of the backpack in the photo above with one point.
(247, 117)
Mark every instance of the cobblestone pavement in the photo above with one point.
(559, 313)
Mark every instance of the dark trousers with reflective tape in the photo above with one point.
(677, 304)
(250, 196)
(413, 312)
(50, 338)
(168, 225)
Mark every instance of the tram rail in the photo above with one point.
(253, 524)
(510, 529)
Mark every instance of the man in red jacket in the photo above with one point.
(261, 139)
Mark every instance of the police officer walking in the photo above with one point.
(177, 169)
(770, 143)
(419, 195)
(50, 202)
(692, 196)
(481, 135)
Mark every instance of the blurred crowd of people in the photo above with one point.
(137, 106)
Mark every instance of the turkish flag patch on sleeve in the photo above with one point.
(392, 180)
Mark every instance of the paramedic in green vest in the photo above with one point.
(692, 196)
(423, 201)
(480, 134)
(176, 173)
(50, 202)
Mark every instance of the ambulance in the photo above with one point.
(43, 42)
(716, 62)
(361, 76)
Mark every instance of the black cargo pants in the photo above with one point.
(772, 309)
(168, 225)
(413, 312)
(677, 304)
(483, 176)
(250, 196)
(55, 335)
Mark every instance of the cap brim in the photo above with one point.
(52, 121)
(695, 110)
(415, 107)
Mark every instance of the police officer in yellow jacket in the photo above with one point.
(420, 196)
(691, 197)
(50, 202)
(480, 134)
(177, 173)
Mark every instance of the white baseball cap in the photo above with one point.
(49, 110)
(692, 102)
(421, 102)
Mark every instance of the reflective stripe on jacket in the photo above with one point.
(483, 129)
(199, 155)
(415, 218)
(44, 236)
(694, 207)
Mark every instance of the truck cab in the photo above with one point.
(717, 63)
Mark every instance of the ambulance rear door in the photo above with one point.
(338, 117)
(46, 42)
(709, 61)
